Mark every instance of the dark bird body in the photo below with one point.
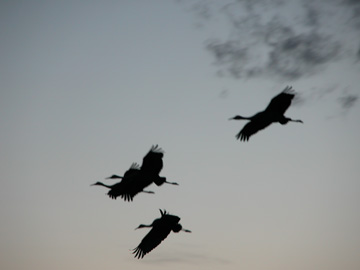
(137, 178)
(126, 188)
(161, 228)
(274, 113)
(151, 167)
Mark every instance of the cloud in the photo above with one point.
(331, 93)
(284, 53)
(230, 54)
(348, 101)
(311, 16)
(282, 39)
(293, 56)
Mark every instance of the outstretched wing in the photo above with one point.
(251, 128)
(151, 240)
(134, 168)
(116, 190)
(152, 162)
(127, 189)
(280, 103)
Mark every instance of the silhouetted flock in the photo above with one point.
(137, 178)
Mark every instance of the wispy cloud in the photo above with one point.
(333, 94)
(287, 39)
(283, 40)
(277, 44)
(288, 56)
(347, 101)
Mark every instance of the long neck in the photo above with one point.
(144, 226)
(239, 117)
(101, 184)
(154, 223)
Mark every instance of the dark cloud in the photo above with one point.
(227, 52)
(203, 9)
(266, 40)
(285, 40)
(285, 54)
(331, 93)
(322, 92)
(294, 56)
(311, 17)
(356, 17)
(352, 2)
(354, 6)
(230, 54)
(348, 101)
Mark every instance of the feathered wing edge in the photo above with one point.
(139, 253)
(125, 197)
(144, 247)
(281, 102)
(250, 129)
(135, 166)
(156, 149)
(288, 90)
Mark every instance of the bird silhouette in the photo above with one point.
(273, 113)
(161, 228)
(137, 178)
(152, 165)
(127, 187)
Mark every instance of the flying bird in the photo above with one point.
(161, 228)
(273, 113)
(137, 178)
(127, 187)
(152, 165)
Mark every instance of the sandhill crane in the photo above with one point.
(161, 228)
(152, 165)
(137, 178)
(273, 113)
(127, 187)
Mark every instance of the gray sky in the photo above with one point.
(87, 87)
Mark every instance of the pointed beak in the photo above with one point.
(172, 183)
(114, 177)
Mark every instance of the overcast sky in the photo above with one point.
(87, 87)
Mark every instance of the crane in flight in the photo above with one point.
(151, 167)
(126, 188)
(137, 178)
(161, 228)
(274, 113)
